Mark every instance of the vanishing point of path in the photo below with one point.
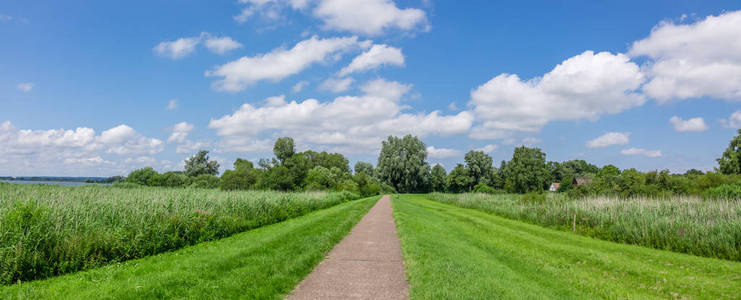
(366, 264)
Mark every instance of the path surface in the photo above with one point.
(366, 264)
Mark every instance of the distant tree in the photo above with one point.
(580, 167)
(199, 165)
(142, 176)
(527, 171)
(402, 164)
(205, 181)
(367, 185)
(174, 179)
(608, 170)
(479, 165)
(284, 148)
(319, 178)
(458, 181)
(329, 160)
(278, 178)
(364, 167)
(437, 178)
(243, 177)
(298, 165)
(730, 161)
(693, 172)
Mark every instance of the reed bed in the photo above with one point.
(48, 230)
(686, 224)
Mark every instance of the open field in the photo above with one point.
(265, 263)
(50, 230)
(458, 253)
(693, 225)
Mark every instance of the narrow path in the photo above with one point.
(366, 264)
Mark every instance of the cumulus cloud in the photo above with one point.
(183, 47)
(280, 63)
(643, 152)
(609, 139)
(299, 86)
(190, 147)
(694, 124)
(25, 87)
(61, 151)
(352, 124)
(376, 56)
(585, 86)
(221, 45)
(433, 152)
(693, 60)
(180, 132)
(488, 148)
(336, 85)
(733, 121)
(172, 104)
(369, 17)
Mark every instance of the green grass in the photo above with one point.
(265, 263)
(458, 253)
(48, 230)
(686, 224)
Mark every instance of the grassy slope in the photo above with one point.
(263, 263)
(455, 253)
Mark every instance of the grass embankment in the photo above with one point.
(265, 263)
(457, 253)
(49, 230)
(703, 227)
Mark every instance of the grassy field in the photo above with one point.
(48, 230)
(249, 265)
(458, 253)
(710, 228)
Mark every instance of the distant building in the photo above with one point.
(582, 181)
(554, 187)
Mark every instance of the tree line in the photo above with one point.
(402, 167)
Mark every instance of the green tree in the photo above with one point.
(199, 164)
(402, 164)
(298, 165)
(141, 176)
(730, 161)
(205, 181)
(284, 148)
(458, 181)
(243, 177)
(479, 165)
(319, 178)
(437, 178)
(608, 170)
(364, 167)
(527, 171)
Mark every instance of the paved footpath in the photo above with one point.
(366, 264)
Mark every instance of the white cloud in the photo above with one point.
(173, 104)
(529, 141)
(433, 152)
(221, 45)
(376, 56)
(694, 124)
(639, 151)
(190, 147)
(70, 152)
(369, 17)
(299, 86)
(336, 85)
(609, 139)
(694, 60)
(488, 148)
(177, 49)
(180, 132)
(25, 87)
(280, 63)
(733, 121)
(350, 124)
(585, 86)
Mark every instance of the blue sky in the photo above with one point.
(101, 88)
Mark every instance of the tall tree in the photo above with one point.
(479, 165)
(364, 167)
(437, 178)
(284, 148)
(458, 180)
(730, 162)
(199, 164)
(402, 164)
(527, 171)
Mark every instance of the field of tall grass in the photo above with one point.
(693, 225)
(47, 230)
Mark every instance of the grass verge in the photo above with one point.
(265, 263)
(458, 253)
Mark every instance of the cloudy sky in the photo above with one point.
(98, 88)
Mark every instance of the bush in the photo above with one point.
(726, 191)
(483, 188)
(205, 181)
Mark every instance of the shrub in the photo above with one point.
(726, 191)
(205, 181)
(483, 188)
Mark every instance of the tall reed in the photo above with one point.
(49, 230)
